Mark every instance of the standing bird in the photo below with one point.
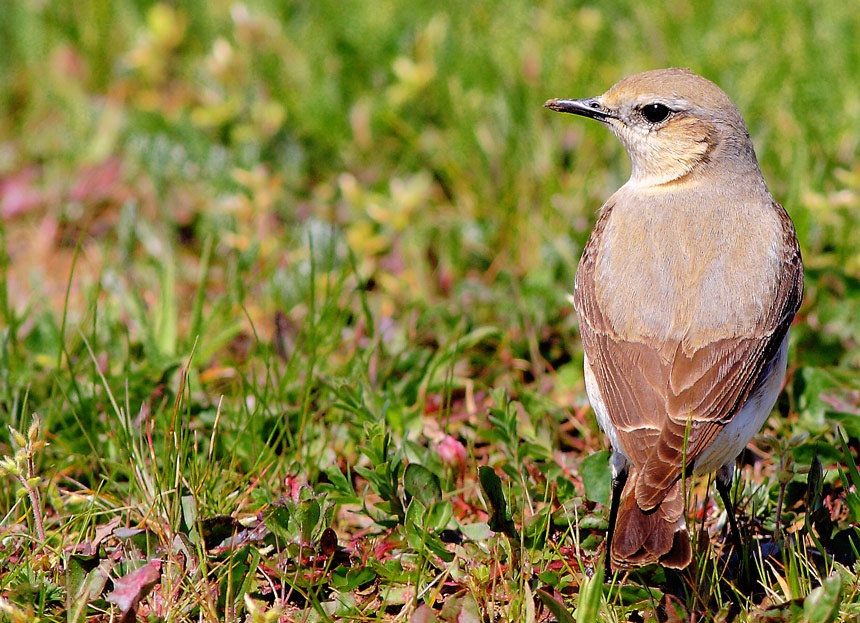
(685, 293)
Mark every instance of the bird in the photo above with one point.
(685, 293)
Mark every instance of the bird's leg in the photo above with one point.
(619, 478)
(724, 487)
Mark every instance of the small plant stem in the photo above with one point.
(36, 503)
(777, 528)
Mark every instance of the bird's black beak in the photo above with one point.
(590, 107)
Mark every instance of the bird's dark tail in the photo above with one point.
(657, 535)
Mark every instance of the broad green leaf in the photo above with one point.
(822, 604)
(500, 521)
(438, 516)
(556, 608)
(422, 484)
(597, 477)
(347, 579)
(277, 519)
(307, 515)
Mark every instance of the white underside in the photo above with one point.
(734, 437)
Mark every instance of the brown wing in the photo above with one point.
(690, 396)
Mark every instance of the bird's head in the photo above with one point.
(671, 123)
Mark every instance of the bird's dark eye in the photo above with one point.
(655, 113)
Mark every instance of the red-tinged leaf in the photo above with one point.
(127, 533)
(453, 453)
(328, 542)
(19, 193)
(104, 531)
(134, 586)
(461, 609)
(423, 614)
(101, 183)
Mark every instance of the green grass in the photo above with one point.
(278, 279)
